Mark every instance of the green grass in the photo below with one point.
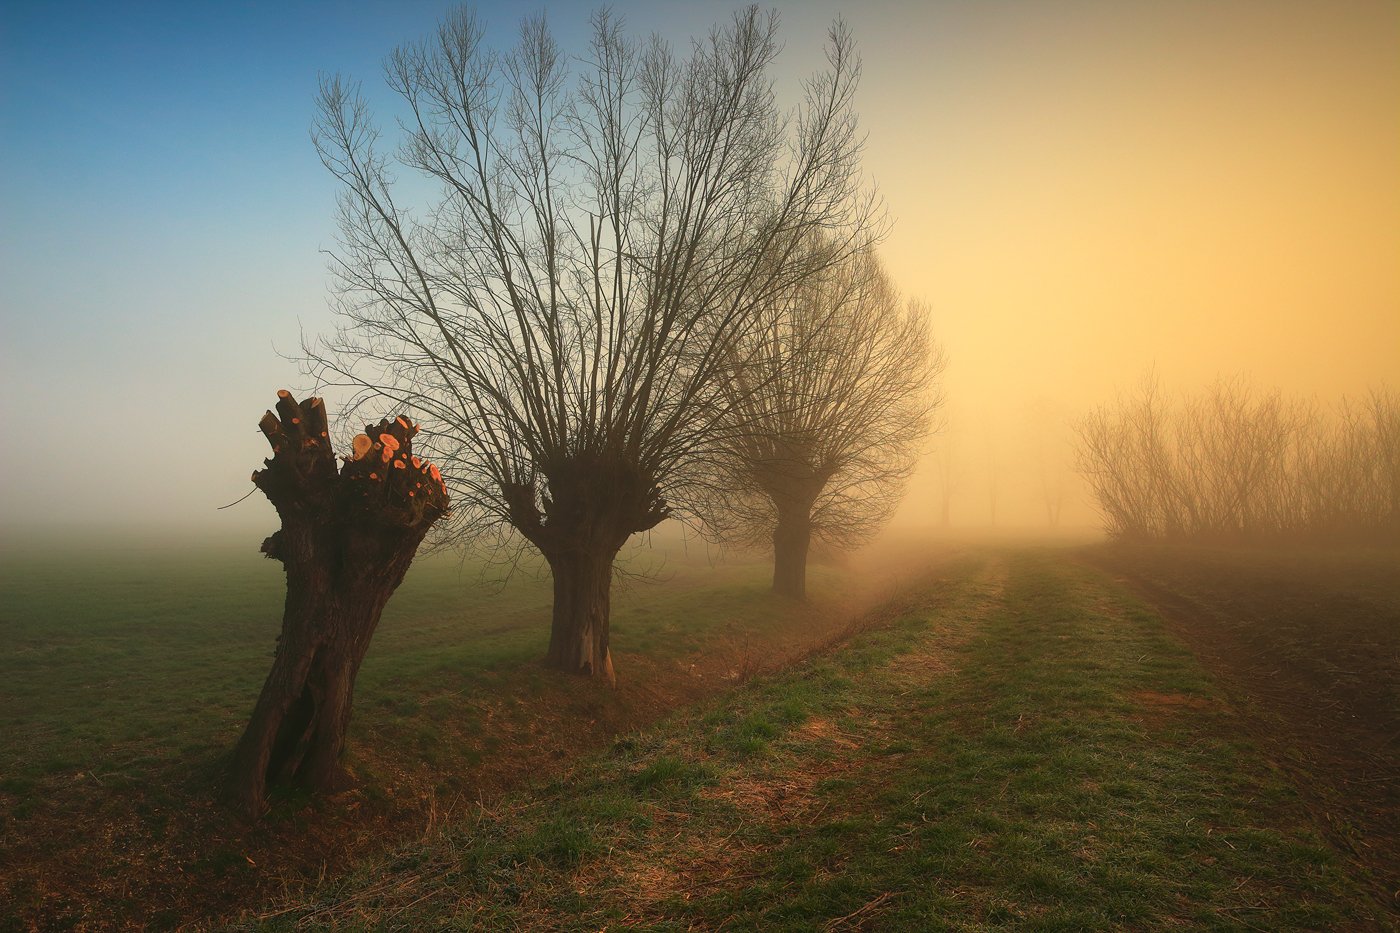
(119, 661)
(1023, 748)
(130, 670)
(1020, 746)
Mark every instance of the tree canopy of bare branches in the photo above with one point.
(831, 396)
(1238, 464)
(602, 233)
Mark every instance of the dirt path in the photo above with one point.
(686, 855)
(1308, 647)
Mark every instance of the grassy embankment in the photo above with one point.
(118, 661)
(1024, 746)
(128, 673)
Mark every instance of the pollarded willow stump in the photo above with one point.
(348, 536)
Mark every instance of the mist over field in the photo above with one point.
(674, 465)
(1079, 193)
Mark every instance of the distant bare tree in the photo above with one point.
(1233, 446)
(599, 243)
(1045, 426)
(1349, 469)
(1237, 464)
(832, 396)
(993, 471)
(1052, 493)
(1126, 456)
(946, 473)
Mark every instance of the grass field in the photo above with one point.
(116, 660)
(1306, 643)
(129, 670)
(1014, 740)
(1021, 746)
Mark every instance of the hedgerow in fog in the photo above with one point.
(1235, 463)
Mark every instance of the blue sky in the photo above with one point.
(163, 216)
(163, 212)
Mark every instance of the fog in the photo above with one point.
(1082, 192)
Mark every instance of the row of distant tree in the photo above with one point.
(642, 289)
(1235, 464)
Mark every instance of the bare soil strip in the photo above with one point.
(682, 856)
(1307, 645)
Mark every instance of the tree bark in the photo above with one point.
(347, 539)
(578, 636)
(792, 538)
(592, 505)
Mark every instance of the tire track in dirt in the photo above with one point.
(683, 856)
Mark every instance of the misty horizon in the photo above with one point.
(1080, 196)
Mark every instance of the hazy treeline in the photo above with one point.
(1235, 463)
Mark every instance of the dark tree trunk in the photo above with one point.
(578, 636)
(347, 539)
(792, 538)
(592, 505)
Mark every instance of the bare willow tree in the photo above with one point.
(348, 537)
(601, 234)
(831, 397)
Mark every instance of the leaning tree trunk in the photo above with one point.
(792, 537)
(347, 540)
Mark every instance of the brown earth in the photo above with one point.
(1307, 645)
